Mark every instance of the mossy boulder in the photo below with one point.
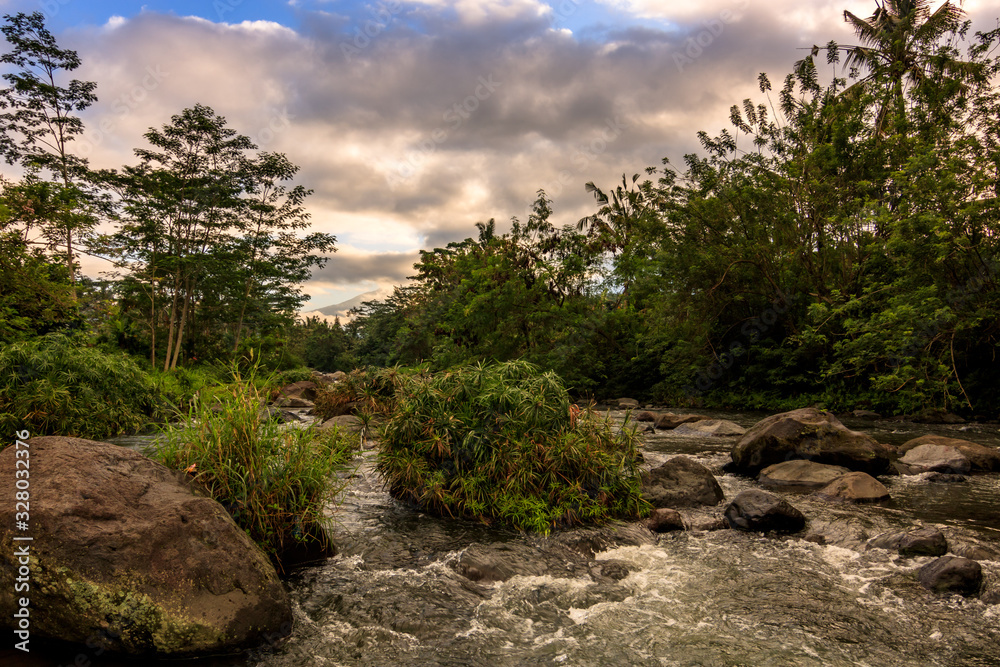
(124, 549)
(812, 435)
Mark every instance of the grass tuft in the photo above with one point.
(501, 443)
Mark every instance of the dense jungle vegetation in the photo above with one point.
(837, 245)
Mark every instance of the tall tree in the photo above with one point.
(39, 120)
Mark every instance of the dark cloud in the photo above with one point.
(343, 269)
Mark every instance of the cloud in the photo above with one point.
(414, 120)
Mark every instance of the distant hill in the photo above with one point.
(340, 309)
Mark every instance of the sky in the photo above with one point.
(413, 120)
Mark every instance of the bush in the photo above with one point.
(501, 443)
(53, 385)
(274, 482)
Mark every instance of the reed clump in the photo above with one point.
(274, 481)
(502, 443)
(54, 385)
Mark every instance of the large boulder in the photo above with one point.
(125, 550)
(933, 458)
(681, 482)
(799, 474)
(668, 420)
(711, 428)
(809, 434)
(644, 416)
(982, 458)
(303, 389)
(927, 541)
(762, 511)
(854, 487)
(952, 574)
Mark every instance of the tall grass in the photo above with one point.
(275, 482)
(501, 443)
(53, 385)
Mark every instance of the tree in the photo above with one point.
(39, 122)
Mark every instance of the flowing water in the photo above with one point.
(394, 594)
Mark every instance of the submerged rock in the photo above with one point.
(952, 574)
(762, 511)
(124, 549)
(669, 420)
(681, 482)
(800, 474)
(982, 458)
(933, 458)
(710, 427)
(927, 541)
(854, 487)
(809, 434)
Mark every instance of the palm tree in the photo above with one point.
(898, 49)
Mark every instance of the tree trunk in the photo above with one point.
(180, 328)
(172, 323)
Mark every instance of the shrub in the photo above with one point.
(275, 482)
(53, 385)
(501, 443)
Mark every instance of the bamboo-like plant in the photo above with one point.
(52, 385)
(275, 482)
(501, 443)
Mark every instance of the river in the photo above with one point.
(393, 595)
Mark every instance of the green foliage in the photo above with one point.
(54, 385)
(35, 295)
(275, 482)
(501, 443)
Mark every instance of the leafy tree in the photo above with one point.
(38, 124)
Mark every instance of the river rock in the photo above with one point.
(681, 482)
(952, 574)
(627, 403)
(854, 487)
(945, 478)
(936, 416)
(933, 458)
(865, 414)
(292, 402)
(303, 389)
(644, 416)
(669, 420)
(348, 423)
(927, 541)
(279, 415)
(800, 474)
(809, 434)
(982, 458)
(710, 427)
(762, 511)
(124, 549)
(662, 520)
